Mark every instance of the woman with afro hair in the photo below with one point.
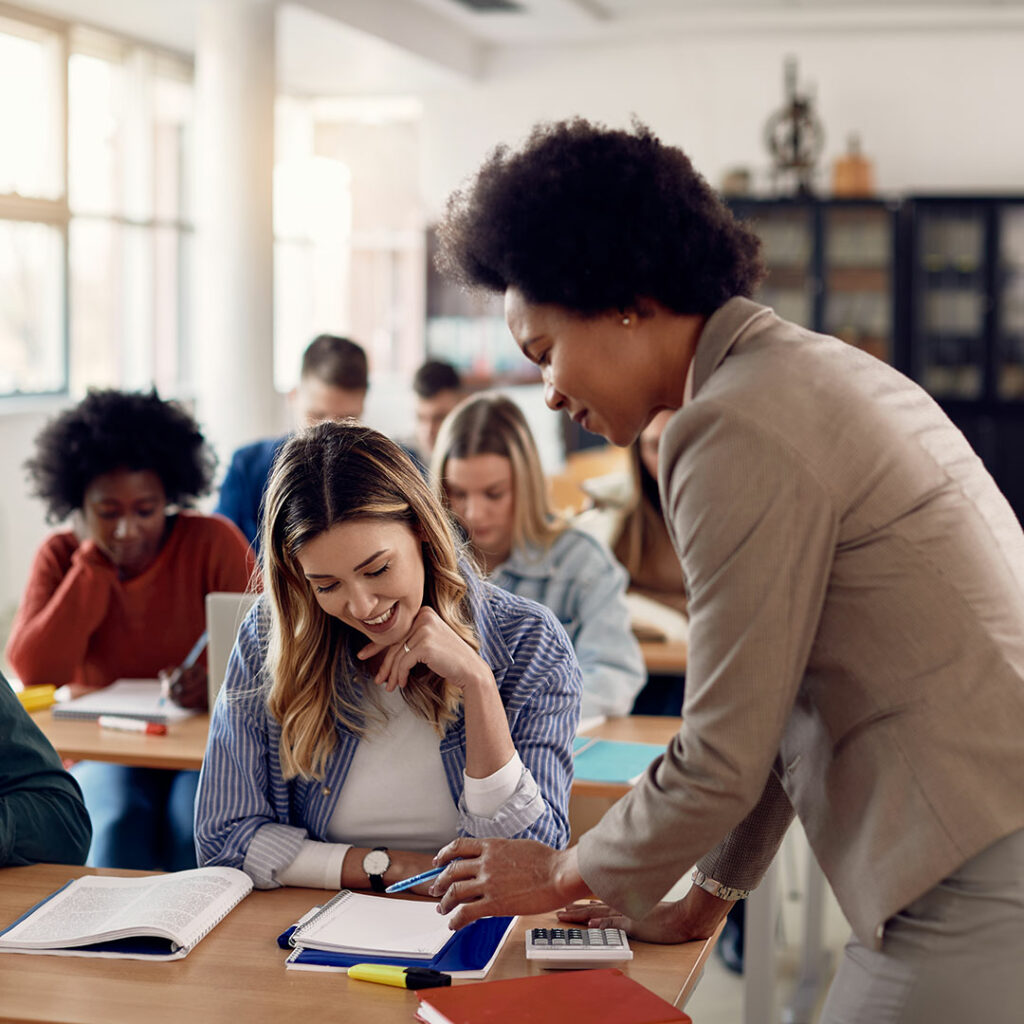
(855, 587)
(121, 594)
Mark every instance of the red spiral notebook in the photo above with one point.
(599, 997)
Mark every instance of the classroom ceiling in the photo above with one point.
(364, 47)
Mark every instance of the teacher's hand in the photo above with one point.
(695, 916)
(504, 876)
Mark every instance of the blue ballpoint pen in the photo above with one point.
(190, 659)
(408, 883)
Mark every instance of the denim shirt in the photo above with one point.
(581, 582)
(249, 816)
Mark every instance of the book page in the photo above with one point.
(180, 906)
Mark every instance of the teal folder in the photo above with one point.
(612, 760)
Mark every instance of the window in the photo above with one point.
(33, 213)
(95, 250)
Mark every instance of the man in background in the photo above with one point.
(332, 386)
(438, 388)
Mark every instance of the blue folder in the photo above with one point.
(612, 760)
(469, 949)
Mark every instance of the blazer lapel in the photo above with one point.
(724, 328)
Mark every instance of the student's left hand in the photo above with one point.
(185, 687)
(433, 643)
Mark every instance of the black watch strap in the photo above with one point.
(377, 881)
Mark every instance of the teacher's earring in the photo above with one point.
(626, 321)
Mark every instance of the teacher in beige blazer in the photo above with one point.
(855, 583)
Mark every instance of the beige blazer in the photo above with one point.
(856, 586)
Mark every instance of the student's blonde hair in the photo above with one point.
(328, 474)
(491, 424)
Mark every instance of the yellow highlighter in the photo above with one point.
(400, 977)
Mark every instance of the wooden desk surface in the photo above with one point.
(83, 740)
(664, 658)
(185, 743)
(237, 972)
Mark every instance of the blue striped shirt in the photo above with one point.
(249, 816)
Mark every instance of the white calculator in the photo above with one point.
(577, 948)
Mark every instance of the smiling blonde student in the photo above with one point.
(487, 470)
(381, 699)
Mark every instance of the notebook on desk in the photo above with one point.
(126, 698)
(224, 614)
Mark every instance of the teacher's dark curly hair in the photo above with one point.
(593, 219)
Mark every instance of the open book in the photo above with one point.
(156, 917)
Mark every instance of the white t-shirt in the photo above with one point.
(396, 795)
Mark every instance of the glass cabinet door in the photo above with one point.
(1010, 304)
(950, 300)
(787, 245)
(858, 277)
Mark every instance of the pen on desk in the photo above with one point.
(408, 883)
(122, 724)
(400, 977)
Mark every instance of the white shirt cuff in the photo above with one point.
(485, 796)
(317, 866)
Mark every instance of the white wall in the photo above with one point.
(935, 110)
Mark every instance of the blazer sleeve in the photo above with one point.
(64, 603)
(608, 653)
(756, 533)
(42, 814)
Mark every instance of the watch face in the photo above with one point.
(376, 862)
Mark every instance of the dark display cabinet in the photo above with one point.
(966, 321)
(833, 266)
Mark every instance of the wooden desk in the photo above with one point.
(237, 972)
(83, 740)
(663, 658)
(185, 743)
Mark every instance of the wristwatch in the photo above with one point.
(723, 892)
(375, 863)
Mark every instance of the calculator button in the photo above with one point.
(612, 937)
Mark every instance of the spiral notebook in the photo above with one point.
(130, 698)
(356, 922)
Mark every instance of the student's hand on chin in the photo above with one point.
(432, 644)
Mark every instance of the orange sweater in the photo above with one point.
(79, 623)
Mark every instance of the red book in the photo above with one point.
(598, 997)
